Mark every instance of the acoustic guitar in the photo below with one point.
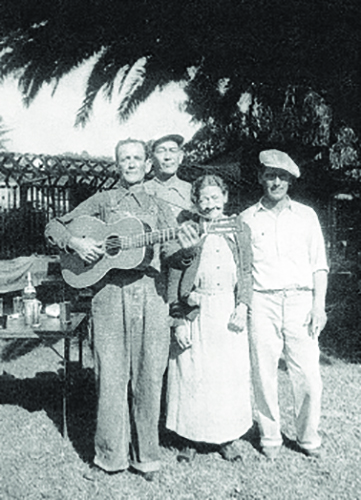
(127, 244)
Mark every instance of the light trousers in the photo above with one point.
(279, 323)
(131, 346)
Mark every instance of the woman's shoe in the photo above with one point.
(186, 454)
(230, 452)
(271, 452)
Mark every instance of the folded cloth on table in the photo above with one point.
(13, 272)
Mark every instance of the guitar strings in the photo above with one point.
(159, 236)
(127, 242)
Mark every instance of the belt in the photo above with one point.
(291, 288)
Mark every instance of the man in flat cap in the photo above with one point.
(167, 155)
(288, 306)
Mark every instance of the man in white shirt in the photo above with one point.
(167, 155)
(288, 307)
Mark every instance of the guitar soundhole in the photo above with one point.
(112, 245)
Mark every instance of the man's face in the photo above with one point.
(132, 163)
(211, 202)
(168, 156)
(275, 183)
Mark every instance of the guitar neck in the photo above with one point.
(222, 225)
(149, 238)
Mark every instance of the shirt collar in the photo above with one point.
(137, 191)
(172, 183)
(260, 206)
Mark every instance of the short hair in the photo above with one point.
(130, 141)
(204, 181)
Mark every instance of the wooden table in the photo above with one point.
(50, 328)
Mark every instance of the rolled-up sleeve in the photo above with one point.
(318, 257)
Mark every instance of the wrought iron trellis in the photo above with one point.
(35, 188)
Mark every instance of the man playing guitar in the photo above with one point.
(131, 332)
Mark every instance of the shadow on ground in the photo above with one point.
(16, 348)
(341, 337)
(45, 391)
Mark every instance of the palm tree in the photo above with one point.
(220, 49)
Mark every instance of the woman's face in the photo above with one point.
(211, 202)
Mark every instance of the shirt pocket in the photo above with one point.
(149, 216)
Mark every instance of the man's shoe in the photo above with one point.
(148, 476)
(271, 452)
(96, 473)
(186, 454)
(311, 452)
(230, 452)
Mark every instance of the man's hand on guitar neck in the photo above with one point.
(87, 248)
(188, 236)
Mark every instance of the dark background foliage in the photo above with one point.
(263, 45)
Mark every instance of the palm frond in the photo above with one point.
(139, 86)
(108, 67)
(133, 79)
(316, 45)
(97, 78)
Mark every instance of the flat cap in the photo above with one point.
(273, 158)
(178, 139)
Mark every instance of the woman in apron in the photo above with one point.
(208, 398)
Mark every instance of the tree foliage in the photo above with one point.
(3, 133)
(220, 49)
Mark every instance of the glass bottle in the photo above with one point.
(29, 291)
(29, 301)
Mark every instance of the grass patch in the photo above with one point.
(36, 463)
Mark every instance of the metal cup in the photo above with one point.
(3, 321)
(32, 309)
(65, 317)
(36, 312)
(28, 311)
(17, 306)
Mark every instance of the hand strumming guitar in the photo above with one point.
(87, 248)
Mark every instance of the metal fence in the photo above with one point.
(35, 188)
(24, 212)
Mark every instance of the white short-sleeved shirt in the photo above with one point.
(288, 247)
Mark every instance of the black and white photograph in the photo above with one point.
(180, 259)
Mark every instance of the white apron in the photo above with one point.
(208, 396)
